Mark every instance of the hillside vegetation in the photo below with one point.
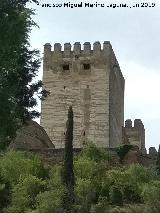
(29, 186)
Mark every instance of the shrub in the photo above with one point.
(122, 151)
(151, 196)
(49, 201)
(24, 194)
(101, 206)
(116, 196)
(130, 194)
(85, 168)
(92, 152)
(4, 193)
(15, 165)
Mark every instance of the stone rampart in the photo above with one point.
(91, 81)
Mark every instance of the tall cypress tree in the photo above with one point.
(68, 174)
(19, 65)
(158, 161)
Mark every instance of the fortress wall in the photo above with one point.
(79, 77)
(116, 102)
(136, 133)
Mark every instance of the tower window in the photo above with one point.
(64, 87)
(84, 133)
(76, 57)
(86, 66)
(66, 67)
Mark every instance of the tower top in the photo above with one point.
(76, 48)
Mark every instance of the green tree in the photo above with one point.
(19, 65)
(68, 173)
(158, 161)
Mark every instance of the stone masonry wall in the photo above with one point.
(116, 103)
(54, 156)
(81, 78)
(136, 133)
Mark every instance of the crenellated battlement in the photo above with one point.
(96, 54)
(137, 123)
(135, 133)
(88, 77)
(69, 50)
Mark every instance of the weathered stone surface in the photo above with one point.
(135, 134)
(153, 151)
(133, 156)
(89, 80)
(52, 156)
(31, 136)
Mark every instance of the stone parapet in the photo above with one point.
(135, 133)
(88, 78)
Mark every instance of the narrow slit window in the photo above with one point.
(84, 133)
(66, 67)
(86, 66)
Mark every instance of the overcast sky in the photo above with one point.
(135, 37)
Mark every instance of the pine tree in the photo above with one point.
(68, 173)
(19, 65)
(158, 161)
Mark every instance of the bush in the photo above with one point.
(24, 194)
(101, 206)
(140, 174)
(122, 151)
(116, 196)
(130, 194)
(83, 187)
(85, 168)
(55, 177)
(15, 165)
(151, 196)
(4, 193)
(92, 152)
(49, 201)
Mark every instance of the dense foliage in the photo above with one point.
(158, 161)
(19, 65)
(68, 174)
(123, 150)
(27, 186)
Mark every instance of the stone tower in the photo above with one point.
(91, 81)
(136, 133)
